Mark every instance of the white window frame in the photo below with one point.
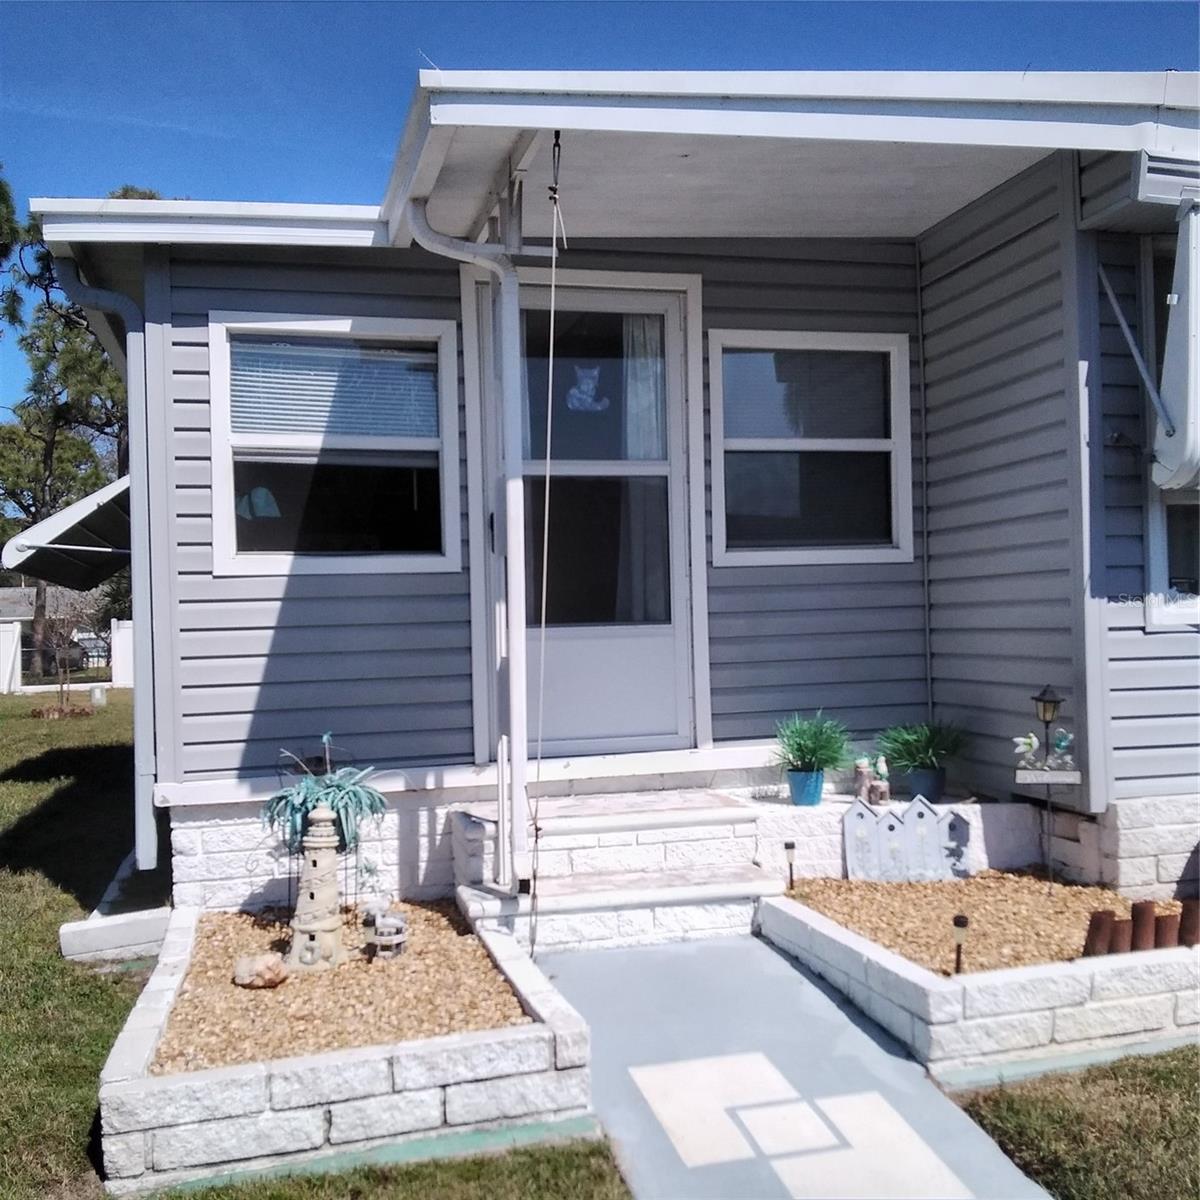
(1164, 610)
(227, 559)
(898, 445)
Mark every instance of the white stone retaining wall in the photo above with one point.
(671, 848)
(1146, 848)
(990, 1017)
(222, 856)
(161, 1130)
(108, 935)
(1000, 835)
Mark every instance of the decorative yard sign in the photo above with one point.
(909, 845)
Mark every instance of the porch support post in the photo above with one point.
(514, 567)
(496, 260)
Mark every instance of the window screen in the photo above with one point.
(808, 448)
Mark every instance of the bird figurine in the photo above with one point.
(1027, 748)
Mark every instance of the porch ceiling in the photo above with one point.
(640, 185)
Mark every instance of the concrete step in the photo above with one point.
(654, 832)
(627, 908)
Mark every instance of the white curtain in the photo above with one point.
(644, 563)
(645, 410)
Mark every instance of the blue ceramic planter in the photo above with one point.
(806, 786)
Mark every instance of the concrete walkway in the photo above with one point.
(722, 1071)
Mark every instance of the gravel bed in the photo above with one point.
(1015, 919)
(444, 982)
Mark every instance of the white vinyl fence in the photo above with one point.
(10, 657)
(122, 654)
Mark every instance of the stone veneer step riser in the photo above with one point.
(628, 842)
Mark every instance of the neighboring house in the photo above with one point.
(17, 605)
(843, 418)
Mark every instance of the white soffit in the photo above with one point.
(621, 185)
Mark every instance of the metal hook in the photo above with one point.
(555, 159)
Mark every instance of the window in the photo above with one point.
(334, 444)
(1172, 514)
(811, 457)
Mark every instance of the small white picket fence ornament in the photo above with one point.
(913, 844)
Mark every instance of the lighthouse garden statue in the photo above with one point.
(318, 816)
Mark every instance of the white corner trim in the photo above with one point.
(227, 561)
(483, 668)
(899, 445)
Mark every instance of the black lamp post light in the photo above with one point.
(789, 852)
(1046, 704)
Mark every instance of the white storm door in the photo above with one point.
(617, 645)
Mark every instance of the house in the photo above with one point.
(871, 392)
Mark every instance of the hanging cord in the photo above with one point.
(557, 230)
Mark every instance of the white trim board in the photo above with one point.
(898, 445)
(227, 560)
(191, 222)
(421, 781)
(1167, 88)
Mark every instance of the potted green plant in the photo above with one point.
(343, 790)
(807, 748)
(918, 755)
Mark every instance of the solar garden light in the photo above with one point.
(385, 932)
(789, 852)
(387, 936)
(1046, 704)
(960, 938)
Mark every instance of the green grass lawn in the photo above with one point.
(1126, 1131)
(65, 825)
(573, 1171)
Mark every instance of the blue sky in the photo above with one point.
(304, 101)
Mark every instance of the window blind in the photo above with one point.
(332, 388)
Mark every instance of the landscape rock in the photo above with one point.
(260, 970)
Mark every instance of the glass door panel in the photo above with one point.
(610, 551)
(609, 386)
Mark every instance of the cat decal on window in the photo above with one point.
(582, 396)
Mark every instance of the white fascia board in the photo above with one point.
(1169, 89)
(1050, 126)
(199, 222)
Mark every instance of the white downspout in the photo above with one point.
(496, 260)
(144, 769)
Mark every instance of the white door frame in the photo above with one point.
(693, 539)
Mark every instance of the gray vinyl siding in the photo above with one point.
(1105, 182)
(264, 663)
(1151, 678)
(1123, 416)
(847, 638)
(1001, 521)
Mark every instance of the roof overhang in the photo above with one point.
(761, 153)
(66, 222)
(79, 547)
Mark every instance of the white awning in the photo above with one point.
(79, 547)
(1177, 425)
